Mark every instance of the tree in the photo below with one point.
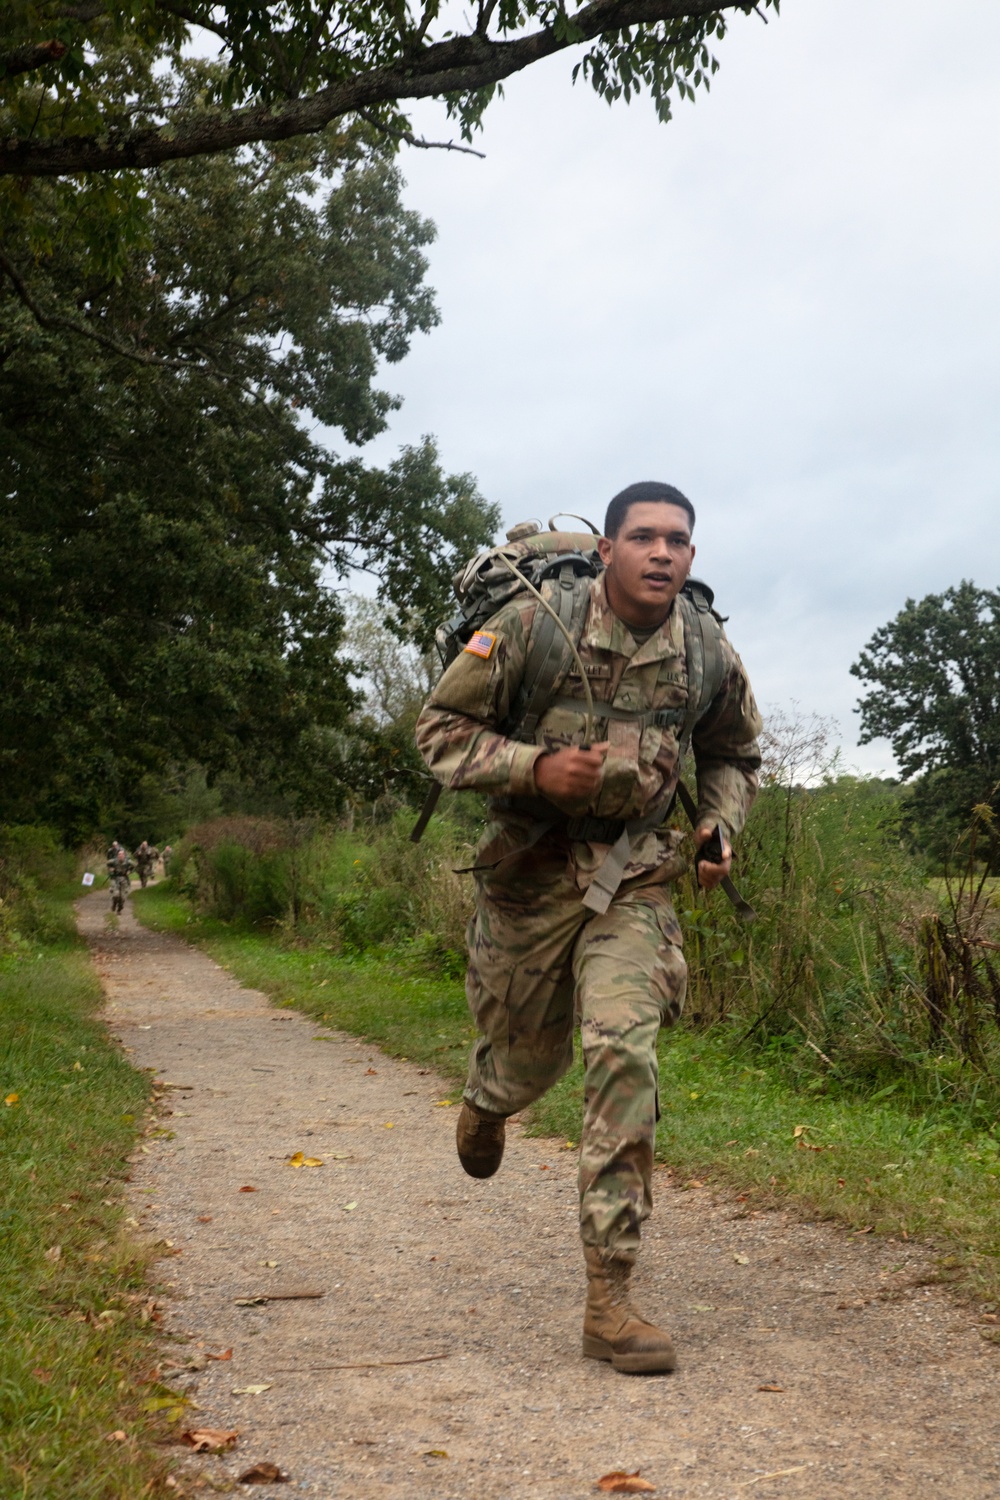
(395, 676)
(935, 671)
(170, 515)
(291, 69)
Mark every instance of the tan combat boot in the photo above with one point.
(612, 1328)
(480, 1136)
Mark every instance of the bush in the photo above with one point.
(355, 890)
(32, 860)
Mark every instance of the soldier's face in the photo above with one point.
(648, 561)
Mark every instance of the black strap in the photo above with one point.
(426, 812)
(741, 904)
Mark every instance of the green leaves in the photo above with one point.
(290, 69)
(170, 508)
(935, 671)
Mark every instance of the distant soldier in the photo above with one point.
(119, 882)
(112, 853)
(145, 858)
(167, 856)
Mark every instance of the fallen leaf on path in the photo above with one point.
(300, 1160)
(742, 1260)
(116, 1437)
(349, 1207)
(443, 1103)
(209, 1439)
(249, 1301)
(694, 1182)
(620, 1483)
(173, 1406)
(778, 1388)
(54, 1253)
(11, 1100)
(204, 1218)
(262, 1473)
(248, 1189)
(250, 1390)
(800, 1130)
(271, 1263)
(389, 1125)
(702, 1307)
(371, 1072)
(341, 1156)
(226, 1354)
(435, 1453)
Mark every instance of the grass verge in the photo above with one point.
(867, 1162)
(74, 1301)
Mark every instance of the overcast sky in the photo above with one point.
(785, 302)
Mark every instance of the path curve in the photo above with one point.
(887, 1388)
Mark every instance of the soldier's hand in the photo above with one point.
(570, 775)
(709, 876)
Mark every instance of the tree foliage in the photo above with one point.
(291, 69)
(934, 675)
(171, 516)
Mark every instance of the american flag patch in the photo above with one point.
(482, 644)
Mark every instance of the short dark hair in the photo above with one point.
(638, 494)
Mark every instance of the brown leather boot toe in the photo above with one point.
(612, 1327)
(480, 1138)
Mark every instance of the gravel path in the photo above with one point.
(886, 1386)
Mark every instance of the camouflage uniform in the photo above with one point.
(145, 858)
(538, 955)
(119, 881)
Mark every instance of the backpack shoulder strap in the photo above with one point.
(548, 657)
(706, 666)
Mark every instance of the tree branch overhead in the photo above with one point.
(656, 44)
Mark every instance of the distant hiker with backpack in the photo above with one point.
(573, 913)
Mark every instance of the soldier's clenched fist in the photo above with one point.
(570, 775)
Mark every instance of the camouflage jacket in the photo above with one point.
(460, 737)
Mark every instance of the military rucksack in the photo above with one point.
(560, 565)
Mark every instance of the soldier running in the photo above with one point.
(573, 912)
(119, 879)
(145, 858)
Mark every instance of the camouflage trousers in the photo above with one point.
(538, 960)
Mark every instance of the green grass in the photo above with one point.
(73, 1341)
(726, 1119)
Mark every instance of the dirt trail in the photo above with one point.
(893, 1394)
